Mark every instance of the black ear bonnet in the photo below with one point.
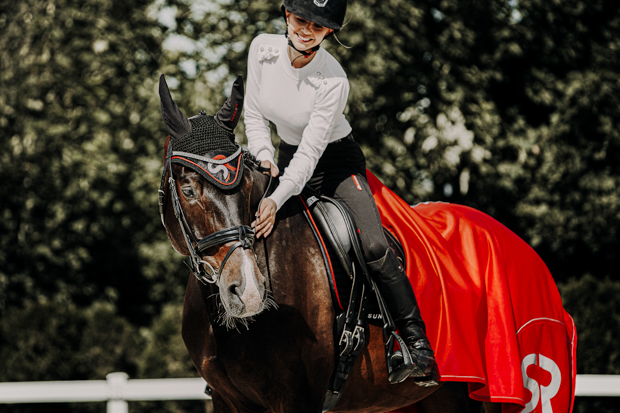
(210, 151)
(206, 144)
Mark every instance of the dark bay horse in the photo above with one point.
(258, 318)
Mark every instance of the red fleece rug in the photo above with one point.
(492, 309)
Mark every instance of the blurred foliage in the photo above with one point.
(595, 308)
(79, 157)
(509, 106)
(52, 342)
(164, 355)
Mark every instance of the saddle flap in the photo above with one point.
(333, 226)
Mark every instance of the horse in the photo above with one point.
(258, 317)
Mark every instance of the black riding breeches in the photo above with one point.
(341, 174)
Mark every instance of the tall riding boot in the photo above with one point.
(402, 305)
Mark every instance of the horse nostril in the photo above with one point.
(234, 290)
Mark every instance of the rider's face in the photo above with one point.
(303, 33)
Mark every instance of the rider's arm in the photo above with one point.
(256, 126)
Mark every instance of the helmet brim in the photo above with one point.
(298, 9)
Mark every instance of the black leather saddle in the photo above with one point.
(354, 293)
(334, 225)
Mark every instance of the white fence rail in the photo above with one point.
(117, 390)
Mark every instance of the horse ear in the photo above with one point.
(228, 116)
(176, 122)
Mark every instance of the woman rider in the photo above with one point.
(303, 90)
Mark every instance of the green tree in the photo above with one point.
(595, 308)
(80, 157)
(164, 355)
(51, 342)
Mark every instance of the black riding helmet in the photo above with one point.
(327, 13)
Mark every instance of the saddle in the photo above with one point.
(349, 282)
(330, 217)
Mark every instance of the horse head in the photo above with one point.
(207, 203)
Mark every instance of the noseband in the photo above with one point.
(242, 234)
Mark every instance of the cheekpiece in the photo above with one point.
(210, 151)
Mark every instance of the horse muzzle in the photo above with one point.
(242, 288)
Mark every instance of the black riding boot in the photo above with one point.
(401, 302)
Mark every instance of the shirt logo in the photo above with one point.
(311, 200)
(321, 3)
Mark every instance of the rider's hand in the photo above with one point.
(265, 217)
(274, 169)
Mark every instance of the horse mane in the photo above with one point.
(249, 160)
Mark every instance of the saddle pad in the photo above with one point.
(493, 312)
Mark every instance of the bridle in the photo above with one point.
(242, 234)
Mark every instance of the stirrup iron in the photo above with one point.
(402, 358)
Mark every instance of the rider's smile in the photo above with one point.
(303, 39)
(305, 34)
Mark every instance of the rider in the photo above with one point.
(303, 90)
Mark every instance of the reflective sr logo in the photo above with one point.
(545, 390)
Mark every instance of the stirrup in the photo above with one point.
(405, 366)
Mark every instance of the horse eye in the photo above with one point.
(188, 192)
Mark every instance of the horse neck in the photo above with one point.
(291, 257)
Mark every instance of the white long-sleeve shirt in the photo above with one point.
(306, 105)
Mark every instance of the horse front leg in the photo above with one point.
(221, 405)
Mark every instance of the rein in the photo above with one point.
(242, 234)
